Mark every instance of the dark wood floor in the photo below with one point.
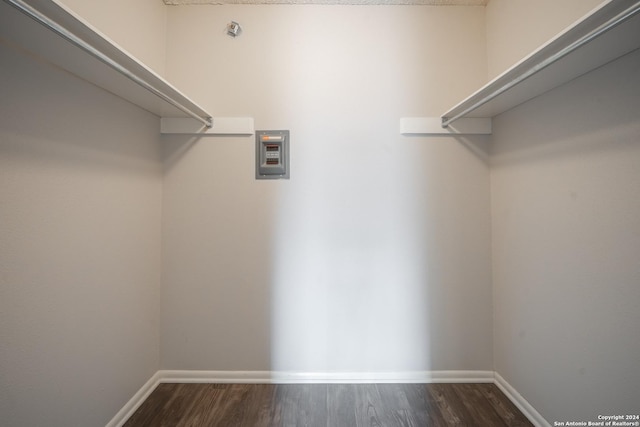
(314, 405)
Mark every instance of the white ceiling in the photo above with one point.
(352, 2)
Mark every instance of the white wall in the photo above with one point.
(137, 26)
(515, 28)
(375, 255)
(565, 182)
(80, 203)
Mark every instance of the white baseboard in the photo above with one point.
(517, 399)
(271, 377)
(134, 403)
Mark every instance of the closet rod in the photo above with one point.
(52, 25)
(597, 31)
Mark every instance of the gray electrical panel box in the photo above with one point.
(272, 154)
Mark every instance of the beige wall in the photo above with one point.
(375, 255)
(80, 209)
(137, 26)
(565, 181)
(515, 28)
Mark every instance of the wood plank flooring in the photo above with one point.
(331, 405)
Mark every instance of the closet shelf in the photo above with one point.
(48, 31)
(608, 32)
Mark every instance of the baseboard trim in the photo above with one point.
(272, 377)
(520, 402)
(134, 403)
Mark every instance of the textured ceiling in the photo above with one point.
(359, 2)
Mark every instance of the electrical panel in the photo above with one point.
(272, 154)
